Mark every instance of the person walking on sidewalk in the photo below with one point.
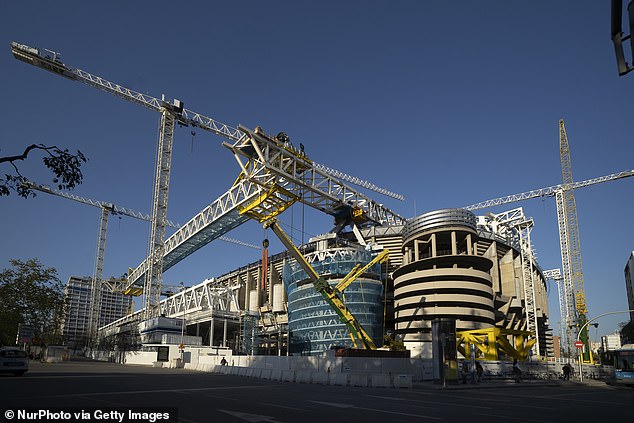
(479, 371)
(567, 371)
(517, 372)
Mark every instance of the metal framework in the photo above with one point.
(332, 295)
(268, 163)
(573, 290)
(564, 319)
(211, 297)
(515, 228)
(491, 341)
(569, 238)
(528, 267)
(112, 284)
(547, 192)
(95, 301)
(204, 297)
(170, 114)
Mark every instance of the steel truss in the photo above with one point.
(564, 320)
(209, 297)
(268, 164)
(170, 114)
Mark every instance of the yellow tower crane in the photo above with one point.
(570, 246)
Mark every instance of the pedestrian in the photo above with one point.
(479, 371)
(517, 372)
(223, 362)
(465, 371)
(567, 371)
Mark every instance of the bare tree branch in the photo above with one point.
(65, 166)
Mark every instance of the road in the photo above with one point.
(204, 397)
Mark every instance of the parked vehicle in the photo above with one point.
(13, 360)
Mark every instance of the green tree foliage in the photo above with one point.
(66, 168)
(30, 295)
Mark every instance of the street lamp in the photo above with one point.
(182, 345)
(586, 325)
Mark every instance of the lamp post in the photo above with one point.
(182, 345)
(586, 325)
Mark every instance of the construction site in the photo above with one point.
(416, 294)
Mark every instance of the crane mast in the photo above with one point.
(569, 240)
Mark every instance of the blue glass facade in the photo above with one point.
(314, 325)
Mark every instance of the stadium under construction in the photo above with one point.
(379, 284)
(448, 264)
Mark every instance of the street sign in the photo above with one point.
(579, 344)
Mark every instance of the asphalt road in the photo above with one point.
(96, 388)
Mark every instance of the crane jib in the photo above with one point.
(33, 57)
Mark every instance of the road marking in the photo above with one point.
(339, 405)
(185, 390)
(253, 418)
(453, 404)
(283, 406)
(387, 398)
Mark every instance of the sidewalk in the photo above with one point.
(503, 383)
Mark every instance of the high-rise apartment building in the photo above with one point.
(77, 294)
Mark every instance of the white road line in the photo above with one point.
(283, 406)
(453, 404)
(252, 418)
(399, 413)
(388, 398)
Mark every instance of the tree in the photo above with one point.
(33, 296)
(627, 331)
(65, 166)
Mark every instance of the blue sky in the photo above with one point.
(448, 103)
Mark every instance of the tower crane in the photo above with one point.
(569, 240)
(172, 113)
(114, 285)
(574, 293)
